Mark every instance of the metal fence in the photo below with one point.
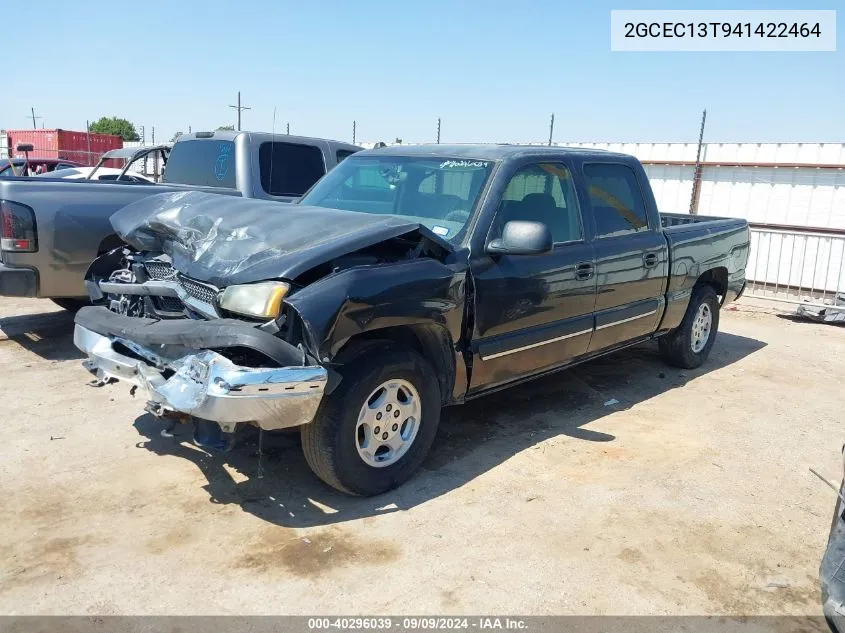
(796, 264)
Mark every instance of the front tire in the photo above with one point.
(373, 431)
(689, 345)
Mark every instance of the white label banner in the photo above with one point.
(728, 30)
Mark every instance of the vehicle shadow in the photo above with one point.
(471, 439)
(47, 334)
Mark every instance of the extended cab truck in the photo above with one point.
(407, 279)
(52, 229)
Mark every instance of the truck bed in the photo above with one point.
(721, 236)
(698, 243)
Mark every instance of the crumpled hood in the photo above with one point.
(224, 240)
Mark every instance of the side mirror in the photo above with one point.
(522, 238)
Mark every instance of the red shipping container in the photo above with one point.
(80, 147)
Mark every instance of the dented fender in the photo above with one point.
(356, 301)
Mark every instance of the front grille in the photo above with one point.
(199, 291)
(164, 271)
(160, 270)
(169, 304)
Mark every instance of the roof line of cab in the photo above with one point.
(279, 137)
(485, 151)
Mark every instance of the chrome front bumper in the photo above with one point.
(207, 385)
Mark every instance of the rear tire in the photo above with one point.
(342, 448)
(689, 345)
(71, 305)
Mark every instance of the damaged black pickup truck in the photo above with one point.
(406, 280)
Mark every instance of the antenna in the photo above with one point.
(272, 151)
(551, 129)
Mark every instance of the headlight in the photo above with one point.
(262, 300)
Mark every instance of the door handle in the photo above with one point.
(650, 260)
(585, 270)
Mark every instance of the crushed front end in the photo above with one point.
(182, 375)
(166, 334)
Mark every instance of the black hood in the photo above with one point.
(224, 240)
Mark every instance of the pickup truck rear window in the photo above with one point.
(204, 163)
(439, 193)
(615, 198)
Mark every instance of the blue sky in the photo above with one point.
(493, 70)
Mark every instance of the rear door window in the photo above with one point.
(615, 198)
(289, 169)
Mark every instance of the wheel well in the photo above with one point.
(717, 278)
(109, 243)
(432, 342)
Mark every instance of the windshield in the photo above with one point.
(202, 163)
(438, 192)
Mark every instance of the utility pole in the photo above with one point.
(287, 128)
(189, 129)
(34, 126)
(696, 179)
(438, 130)
(354, 126)
(240, 109)
(88, 138)
(551, 129)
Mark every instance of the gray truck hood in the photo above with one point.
(223, 240)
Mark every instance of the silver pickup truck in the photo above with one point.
(52, 229)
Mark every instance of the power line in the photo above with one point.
(240, 109)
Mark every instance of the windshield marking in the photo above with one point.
(463, 163)
(221, 165)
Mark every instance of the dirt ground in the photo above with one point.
(691, 495)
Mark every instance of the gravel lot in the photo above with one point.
(692, 495)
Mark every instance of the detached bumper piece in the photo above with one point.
(170, 360)
(834, 313)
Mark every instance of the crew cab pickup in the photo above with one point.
(406, 280)
(52, 229)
